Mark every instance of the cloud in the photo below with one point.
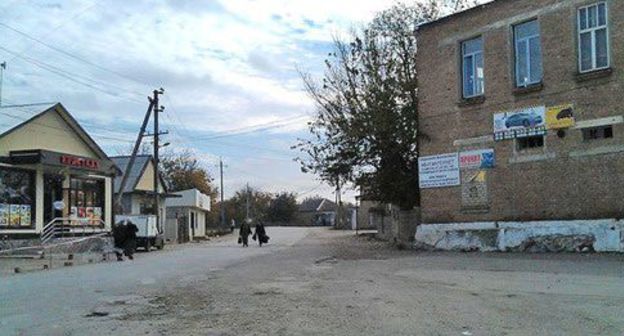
(224, 64)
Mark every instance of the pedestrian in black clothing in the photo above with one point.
(244, 232)
(119, 237)
(130, 241)
(260, 234)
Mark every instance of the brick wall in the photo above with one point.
(568, 178)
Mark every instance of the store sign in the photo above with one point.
(561, 116)
(479, 159)
(520, 123)
(79, 162)
(439, 171)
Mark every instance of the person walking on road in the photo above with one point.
(244, 232)
(119, 237)
(130, 241)
(260, 234)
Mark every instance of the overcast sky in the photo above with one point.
(225, 65)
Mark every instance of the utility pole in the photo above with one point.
(339, 213)
(135, 150)
(222, 207)
(157, 133)
(2, 68)
(247, 203)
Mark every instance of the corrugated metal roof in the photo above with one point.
(12, 116)
(317, 204)
(135, 173)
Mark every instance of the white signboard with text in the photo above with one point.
(438, 171)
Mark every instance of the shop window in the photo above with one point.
(86, 199)
(17, 199)
(528, 52)
(593, 37)
(596, 133)
(472, 68)
(147, 208)
(530, 142)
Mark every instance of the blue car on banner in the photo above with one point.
(523, 120)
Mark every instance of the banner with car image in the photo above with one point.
(560, 116)
(525, 122)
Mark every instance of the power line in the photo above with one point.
(71, 55)
(70, 76)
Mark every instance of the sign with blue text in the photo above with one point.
(438, 171)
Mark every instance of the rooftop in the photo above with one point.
(484, 5)
(135, 173)
(14, 115)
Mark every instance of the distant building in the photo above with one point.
(317, 212)
(138, 194)
(191, 209)
(52, 173)
(520, 102)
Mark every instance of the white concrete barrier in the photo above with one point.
(604, 235)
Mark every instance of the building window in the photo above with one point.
(472, 68)
(86, 201)
(17, 199)
(595, 133)
(528, 53)
(593, 37)
(530, 142)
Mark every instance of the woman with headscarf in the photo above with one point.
(260, 234)
(244, 232)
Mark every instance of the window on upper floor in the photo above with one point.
(530, 142)
(600, 132)
(593, 37)
(472, 68)
(528, 53)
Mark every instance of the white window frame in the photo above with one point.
(528, 54)
(474, 69)
(592, 31)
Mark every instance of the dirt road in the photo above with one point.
(332, 283)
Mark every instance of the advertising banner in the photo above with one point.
(479, 159)
(474, 190)
(526, 122)
(561, 116)
(439, 171)
(4, 214)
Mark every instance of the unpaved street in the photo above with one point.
(320, 282)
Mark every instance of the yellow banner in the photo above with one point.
(561, 116)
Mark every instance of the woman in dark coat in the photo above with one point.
(119, 237)
(244, 232)
(260, 234)
(131, 236)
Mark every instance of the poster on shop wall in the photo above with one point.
(477, 159)
(520, 123)
(438, 171)
(4, 214)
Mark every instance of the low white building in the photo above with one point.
(190, 209)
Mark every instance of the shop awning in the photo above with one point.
(50, 158)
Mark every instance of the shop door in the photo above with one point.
(52, 192)
(183, 232)
(192, 224)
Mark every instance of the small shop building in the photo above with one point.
(51, 173)
(187, 213)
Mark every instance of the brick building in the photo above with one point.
(520, 102)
